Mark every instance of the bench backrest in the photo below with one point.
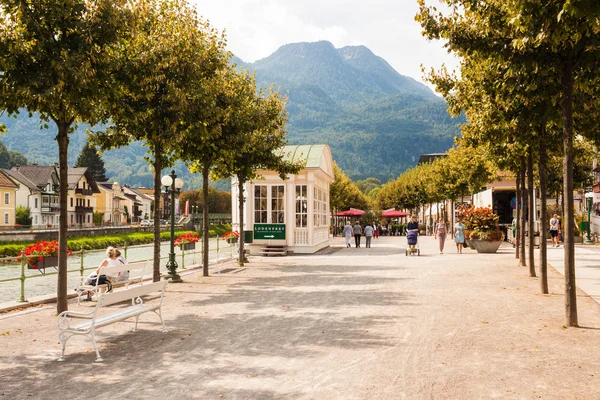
(108, 270)
(132, 293)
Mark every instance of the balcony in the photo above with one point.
(84, 210)
(85, 192)
(49, 209)
(137, 213)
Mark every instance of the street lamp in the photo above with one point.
(172, 186)
(589, 197)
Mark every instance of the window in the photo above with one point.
(320, 207)
(71, 204)
(71, 219)
(35, 219)
(88, 202)
(278, 204)
(260, 204)
(6, 218)
(35, 201)
(301, 206)
(6, 198)
(89, 216)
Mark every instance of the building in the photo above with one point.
(81, 201)
(8, 191)
(143, 203)
(111, 203)
(38, 187)
(292, 212)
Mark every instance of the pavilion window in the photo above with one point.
(260, 204)
(278, 204)
(301, 206)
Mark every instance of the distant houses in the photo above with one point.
(36, 187)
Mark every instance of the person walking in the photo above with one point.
(357, 230)
(375, 231)
(440, 233)
(368, 235)
(348, 233)
(555, 230)
(459, 235)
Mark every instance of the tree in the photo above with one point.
(256, 134)
(56, 60)
(344, 194)
(90, 159)
(167, 74)
(10, 158)
(23, 215)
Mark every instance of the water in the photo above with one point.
(38, 284)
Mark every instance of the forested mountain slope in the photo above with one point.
(376, 121)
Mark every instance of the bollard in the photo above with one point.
(22, 298)
(217, 248)
(182, 254)
(81, 262)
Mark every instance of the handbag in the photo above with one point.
(96, 280)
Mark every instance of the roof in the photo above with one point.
(34, 176)
(16, 175)
(311, 153)
(425, 158)
(6, 181)
(108, 186)
(140, 193)
(76, 173)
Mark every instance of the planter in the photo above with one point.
(469, 244)
(486, 246)
(189, 246)
(47, 262)
(578, 239)
(232, 240)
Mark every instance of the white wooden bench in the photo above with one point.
(88, 322)
(136, 275)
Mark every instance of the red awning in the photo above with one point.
(392, 213)
(353, 212)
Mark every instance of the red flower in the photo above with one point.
(38, 251)
(186, 238)
(230, 235)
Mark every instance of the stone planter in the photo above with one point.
(485, 246)
(47, 262)
(232, 240)
(469, 244)
(578, 239)
(189, 246)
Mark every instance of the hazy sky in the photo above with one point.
(256, 28)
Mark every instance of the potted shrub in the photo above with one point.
(187, 241)
(485, 234)
(42, 255)
(465, 213)
(231, 237)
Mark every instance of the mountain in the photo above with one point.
(376, 121)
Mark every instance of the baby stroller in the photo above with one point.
(412, 237)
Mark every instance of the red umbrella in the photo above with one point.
(353, 212)
(392, 213)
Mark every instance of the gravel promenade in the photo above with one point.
(343, 324)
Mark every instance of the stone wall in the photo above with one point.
(52, 234)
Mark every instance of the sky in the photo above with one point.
(256, 28)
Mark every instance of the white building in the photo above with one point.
(38, 190)
(292, 212)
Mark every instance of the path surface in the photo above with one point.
(346, 324)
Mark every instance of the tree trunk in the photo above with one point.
(568, 220)
(241, 182)
(205, 224)
(523, 212)
(543, 215)
(531, 214)
(519, 211)
(63, 146)
(157, 210)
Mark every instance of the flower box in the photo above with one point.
(232, 240)
(47, 262)
(189, 246)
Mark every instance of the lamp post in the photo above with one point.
(589, 197)
(172, 186)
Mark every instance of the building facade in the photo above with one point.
(81, 202)
(292, 212)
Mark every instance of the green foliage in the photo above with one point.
(344, 194)
(23, 215)
(98, 217)
(10, 158)
(219, 201)
(90, 158)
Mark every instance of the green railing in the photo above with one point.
(222, 253)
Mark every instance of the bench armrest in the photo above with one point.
(64, 322)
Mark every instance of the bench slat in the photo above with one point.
(132, 293)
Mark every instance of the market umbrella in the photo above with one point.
(353, 212)
(392, 213)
